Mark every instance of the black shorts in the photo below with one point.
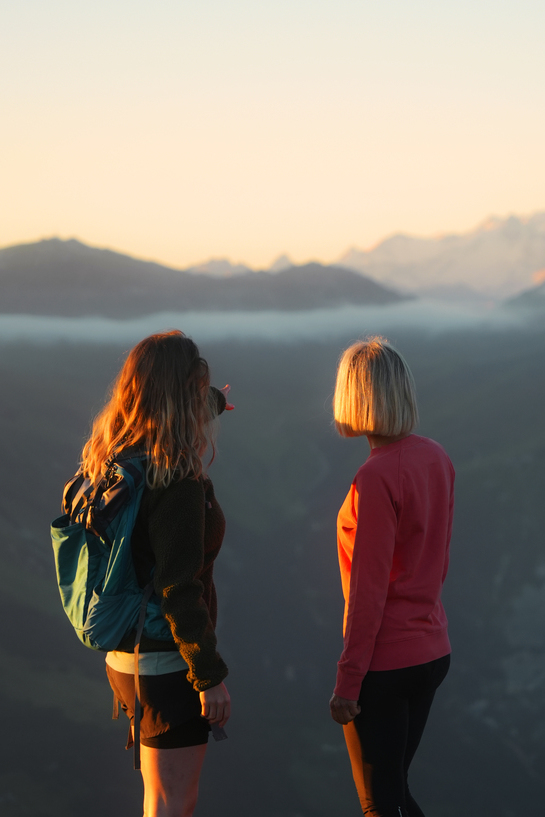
(171, 708)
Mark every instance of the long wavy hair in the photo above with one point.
(159, 404)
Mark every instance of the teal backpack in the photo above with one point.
(95, 571)
(92, 547)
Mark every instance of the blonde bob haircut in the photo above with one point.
(160, 404)
(374, 391)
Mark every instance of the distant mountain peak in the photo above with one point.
(56, 277)
(219, 268)
(498, 258)
(282, 262)
(491, 223)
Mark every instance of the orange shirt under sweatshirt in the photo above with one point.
(393, 535)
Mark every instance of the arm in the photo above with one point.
(177, 531)
(369, 579)
(450, 523)
(219, 400)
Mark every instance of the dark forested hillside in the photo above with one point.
(280, 475)
(531, 300)
(68, 278)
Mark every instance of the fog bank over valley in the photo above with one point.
(274, 326)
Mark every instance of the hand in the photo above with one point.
(225, 391)
(216, 704)
(342, 710)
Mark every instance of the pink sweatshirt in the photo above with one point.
(393, 535)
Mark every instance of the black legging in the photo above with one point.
(383, 738)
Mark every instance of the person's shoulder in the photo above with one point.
(433, 448)
(189, 485)
(187, 489)
(374, 468)
(433, 445)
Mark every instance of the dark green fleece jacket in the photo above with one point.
(179, 531)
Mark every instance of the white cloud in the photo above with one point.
(270, 326)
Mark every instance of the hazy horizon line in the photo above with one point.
(482, 225)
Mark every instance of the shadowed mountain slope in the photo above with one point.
(68, 278)
(531, 299)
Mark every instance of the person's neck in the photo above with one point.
(379, 440)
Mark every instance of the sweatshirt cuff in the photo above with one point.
(348, 686)
(213, 680)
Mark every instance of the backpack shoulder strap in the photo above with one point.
(77, 495)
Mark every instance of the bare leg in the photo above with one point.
(171, 780)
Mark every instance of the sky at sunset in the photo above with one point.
(181, 130)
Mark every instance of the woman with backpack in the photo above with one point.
(162, 407)
(393, 543)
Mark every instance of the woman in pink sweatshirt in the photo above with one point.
(393, 542)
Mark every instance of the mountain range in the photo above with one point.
(498, 259)
(502, 260)
(531, 300)
(68, 278)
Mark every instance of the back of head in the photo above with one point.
(374, 391)
(160, 404)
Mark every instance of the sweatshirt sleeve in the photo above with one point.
(176, 531)
(450, 521)
(217, 400)
(371, 564)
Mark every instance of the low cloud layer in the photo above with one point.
(272, 326)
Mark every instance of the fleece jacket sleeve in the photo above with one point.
(371, 563)
(177, 537)
(218, 400)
